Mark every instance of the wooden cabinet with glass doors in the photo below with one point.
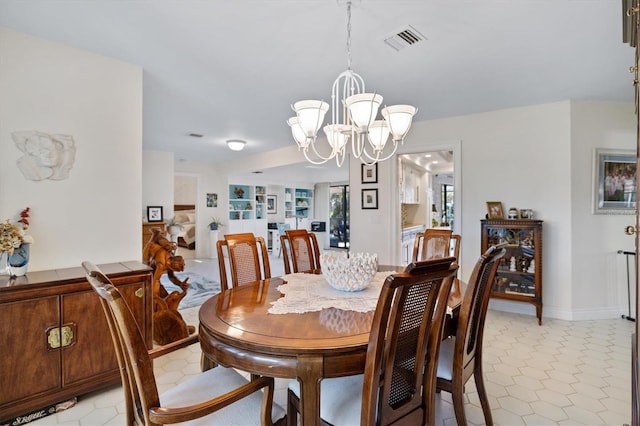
(519, 275)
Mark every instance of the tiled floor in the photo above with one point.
(560, 373)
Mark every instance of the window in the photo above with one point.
(339, 216)
(447, 204)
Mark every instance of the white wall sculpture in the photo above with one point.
(45, 156)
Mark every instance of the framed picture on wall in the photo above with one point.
(154, 214)
(212, 200)
(272, 202)
(370, 198)
(614, 181)
(370, 173)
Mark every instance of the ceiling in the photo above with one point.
(230, 69)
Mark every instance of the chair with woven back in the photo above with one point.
(398, 384)
(436, 243)
(432, 244)
(461, 355)
(217, 396)
(247, 256)
(302, 247)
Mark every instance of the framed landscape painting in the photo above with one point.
(614, 181)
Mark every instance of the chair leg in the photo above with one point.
(482, 394)
(293, 408)
(457, 395)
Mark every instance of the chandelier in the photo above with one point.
(353, 113)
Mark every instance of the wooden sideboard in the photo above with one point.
(55, 338)
(146, 231)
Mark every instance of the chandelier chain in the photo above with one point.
(349, 36)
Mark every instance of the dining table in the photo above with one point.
(253, 328)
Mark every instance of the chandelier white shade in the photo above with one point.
(354, 118)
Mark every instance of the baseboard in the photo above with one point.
(561, 314)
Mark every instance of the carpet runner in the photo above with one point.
(200, 288)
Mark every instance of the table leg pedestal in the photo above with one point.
(310, 371)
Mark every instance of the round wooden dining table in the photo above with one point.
(237, 331)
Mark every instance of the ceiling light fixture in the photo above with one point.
(353, 117)
(236, 144)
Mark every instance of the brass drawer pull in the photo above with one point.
(66, 334)
(140, 292)
(53, 338)
(60, 337)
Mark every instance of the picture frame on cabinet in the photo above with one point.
(154, 214)
(614, 181)
(369, 173)
(272, 203)
(370, 198)
(494, 210)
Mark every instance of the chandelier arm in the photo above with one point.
(377, 157)
(306, 155)
(357, 144)
(325, 159)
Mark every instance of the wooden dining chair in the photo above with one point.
(302, 247)
(431, 244)
(461, 355)
(248, 259)
(398, 384)
(217, 396)
(454, 246)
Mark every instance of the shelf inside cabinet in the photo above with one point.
(519, 274)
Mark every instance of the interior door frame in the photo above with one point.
(396, 232)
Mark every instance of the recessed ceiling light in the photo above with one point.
(236, 144)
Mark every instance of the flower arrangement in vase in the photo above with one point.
(14, 244)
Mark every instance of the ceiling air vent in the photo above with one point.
(404, 38)
(195, 135)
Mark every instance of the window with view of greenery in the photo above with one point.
(339, 216)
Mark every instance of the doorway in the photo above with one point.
(429, 194)
(184, 206)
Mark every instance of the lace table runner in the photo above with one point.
(310, 293)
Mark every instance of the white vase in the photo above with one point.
(19, 261)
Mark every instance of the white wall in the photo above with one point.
(184, 189)
(599, 273)
(157, 182)
(95, 213)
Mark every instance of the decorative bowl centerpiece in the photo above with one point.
(351, 273)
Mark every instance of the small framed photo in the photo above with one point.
(370, 198)
(614, 181)
(370, 173)
(272, 203)
(212, 200)
(154, 214)
(494, 210)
